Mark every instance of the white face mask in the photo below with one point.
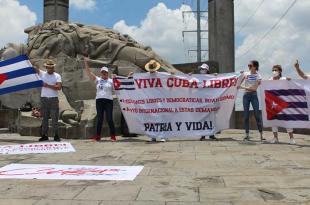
(203, 71)
(275, 73)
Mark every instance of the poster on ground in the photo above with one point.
(69, 172)
(46, 147)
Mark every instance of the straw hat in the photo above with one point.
(49, 63)
(152, 66)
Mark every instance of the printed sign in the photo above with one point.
(69, 172)
(49, 147)
(165, 105)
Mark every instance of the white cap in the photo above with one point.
(104, 69)
(204, 66)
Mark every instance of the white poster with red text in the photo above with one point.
(47, 147)
(167, 105)
(69, 172)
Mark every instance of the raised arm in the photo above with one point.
(36, 67)
(299, 71)
(88, 71)
(242, 79)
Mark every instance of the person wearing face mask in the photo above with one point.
(277, 75)
(251, 80)
(204, 69)
(104, 99)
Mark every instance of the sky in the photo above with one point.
(159, 23)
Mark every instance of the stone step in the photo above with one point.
(4, 130)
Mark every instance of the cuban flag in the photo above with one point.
(123, 83)
(286, 103)
(18, 74)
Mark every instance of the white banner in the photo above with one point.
(165, 105)
(49, 147)
(285, 103)
(69, 172)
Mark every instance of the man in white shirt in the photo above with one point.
(300, 72)
(49, 99)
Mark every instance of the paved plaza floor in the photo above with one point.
(178, 172)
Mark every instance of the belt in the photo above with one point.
(49, 97)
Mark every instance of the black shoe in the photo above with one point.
(202, 138)
(57, 138)
(212, 137)
(43, 138)
(247, 138)
(153, 140)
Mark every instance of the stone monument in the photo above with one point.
(66, 43)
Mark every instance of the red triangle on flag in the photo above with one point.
(116, 83)
(274, 105)
(3, 77)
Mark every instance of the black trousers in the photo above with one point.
(105, 106)
(49, 108)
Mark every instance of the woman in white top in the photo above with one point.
(251, 80)
(277, 75)
(104, 100)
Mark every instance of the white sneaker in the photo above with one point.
(292, 141)
(275, 141)
(162, 140)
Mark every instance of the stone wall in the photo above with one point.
(9, 118)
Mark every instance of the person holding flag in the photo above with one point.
(204, 69)
(49, 98)
(104, 100)
(277, 75)
(151, 67)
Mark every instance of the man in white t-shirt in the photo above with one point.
(49, 99)
(300, 72)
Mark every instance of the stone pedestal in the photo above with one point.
(87, 127)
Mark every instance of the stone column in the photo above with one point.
(222, 37)
(221, 34)
(56, 10)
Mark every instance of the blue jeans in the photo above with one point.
(105, 106)
(251, 97)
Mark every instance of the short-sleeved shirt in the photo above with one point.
(251, 79)
(104, 88)
(50, 79)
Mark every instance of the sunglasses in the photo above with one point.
(274, 70)
(250, 66)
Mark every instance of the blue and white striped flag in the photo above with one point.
(123, 83)
(286, 103)
(18, 74)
